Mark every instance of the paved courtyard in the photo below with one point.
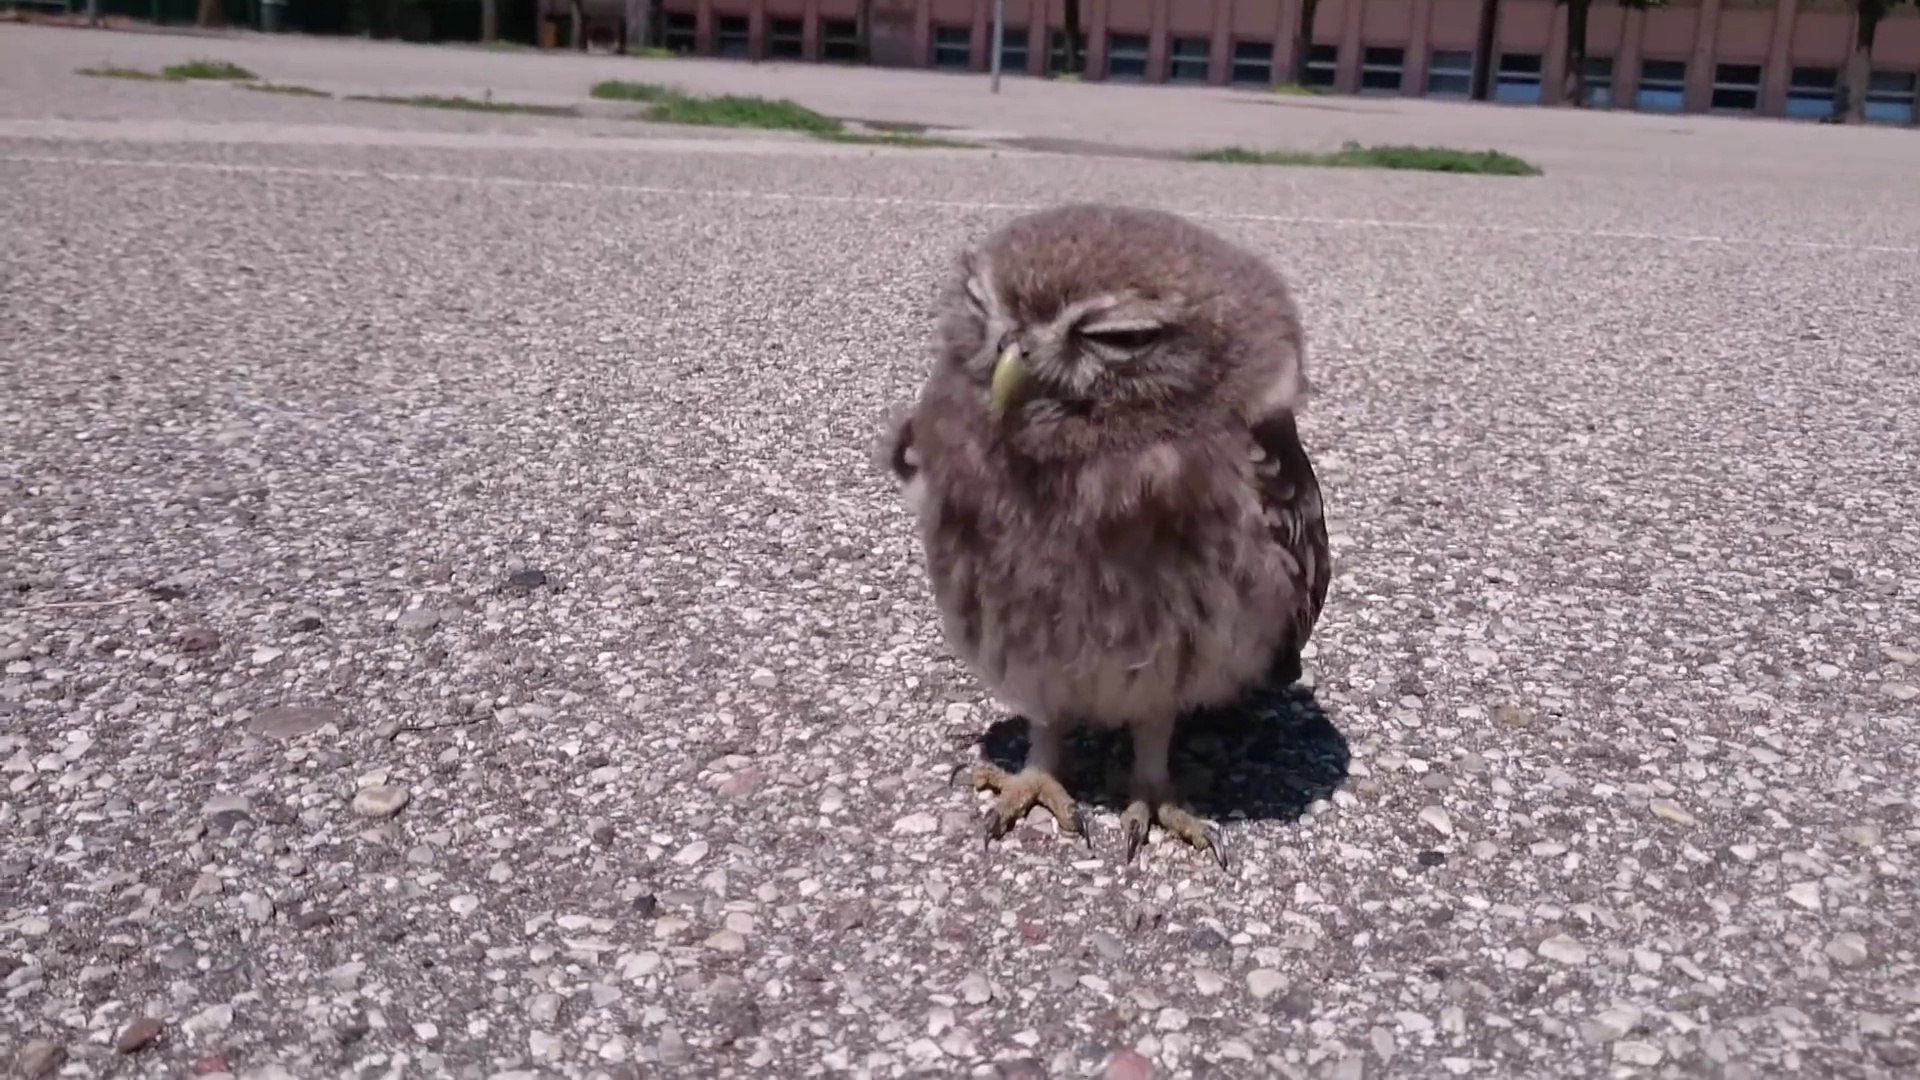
(451, 624)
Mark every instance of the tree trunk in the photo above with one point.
(1072, 20)
(208, 13)
(1573, 82)
(863, 30)
(489, 21)
(1303, 40)
(1860, 64)
(576, 28)
(1483, 45)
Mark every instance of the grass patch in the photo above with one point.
(654, 52)
(111, 71)
(465, 104)
(625, 90)
(1354, 156)
(892, 138)
(731, 111)
(503, 45)
(207, 69)
(1294, 89)
(1065, 76)
(289, 89)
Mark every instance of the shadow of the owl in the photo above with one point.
(1266, 757)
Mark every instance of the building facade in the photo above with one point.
(1764, 57)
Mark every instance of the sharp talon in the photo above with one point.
(1217, 843)
(955, 774)
(1135, 837)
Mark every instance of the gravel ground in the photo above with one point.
(451, 625)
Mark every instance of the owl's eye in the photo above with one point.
(1127, 337)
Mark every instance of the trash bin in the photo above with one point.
(273, 14)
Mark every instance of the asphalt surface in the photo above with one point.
(452, 626)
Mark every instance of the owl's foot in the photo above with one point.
(1019, 793)
(1141, 815)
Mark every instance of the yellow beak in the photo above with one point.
(1009, 374)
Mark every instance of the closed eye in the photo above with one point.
(1127, 337)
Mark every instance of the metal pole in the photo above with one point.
(999, 38)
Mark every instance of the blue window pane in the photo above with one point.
(1652, 99)
(1889, 112)
(1807, 106)
(1517, 91)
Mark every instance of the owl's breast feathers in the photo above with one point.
(1197, 565)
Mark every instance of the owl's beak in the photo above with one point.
(1009, 374)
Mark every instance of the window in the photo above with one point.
(678, 33)
(785, 37)
(953, 46)
(1890, 97)
(1252, 63)
(1057, 50)
(1126, 57)
(1518, 80)
(1380, 69)
(1663, 86)
(730, 36)
(1450, 73)
(1189, 62)
(1323, 64)
(1736, 88)
(839, 40)
(1810, 92)
(1596, 82)
(1013, 48)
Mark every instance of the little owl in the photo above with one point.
(1119, 520)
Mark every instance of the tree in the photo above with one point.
(207, 13)
(1573, 83)
(1303, 40)
(1852, 99)
(1071, 32)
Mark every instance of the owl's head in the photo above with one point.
(1089, 329)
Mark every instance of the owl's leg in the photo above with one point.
(1152, 797)
(1036, 782)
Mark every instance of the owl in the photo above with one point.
(1119, 520)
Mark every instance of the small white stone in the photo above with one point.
(465, 904)
(1638, 1053)
(1806, 894)
(691, 854)
(1171, 1019)
(210, 1020)
(33, 926)
(380, 800)
(1848, 949)
(614, 1050)
(763, 677)
(1672, 811)
(1900, 691)
(975, 990)
(919, 823)
(1562, 949)
(1208, 982)
(1646, 960)
(1263, 983)
(1435, 818)
(426, 1031)
(1611, 1025)
(727, 941)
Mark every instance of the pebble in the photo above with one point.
(975, 990)
(1128, 1065)
(727, 941)
(691, 854)
(1263, 983)
(1672, 811)
(418, 620)
(1172, 1019)
(227, 804)
(1611, 1025)
(138, 1035)
(1563, 949)
(33, 926)
(919, 823)
(39, 1058)
(380, 800)
(1899, 691)
(209, 1021)
(1806, 894)
(292, 721)
(465, 904)
(1208, 982)
(1638, 1053)
(1848, 950)
(258, 908)
(1435, 818)
(763, 678)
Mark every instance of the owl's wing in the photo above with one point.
(1290, 498)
